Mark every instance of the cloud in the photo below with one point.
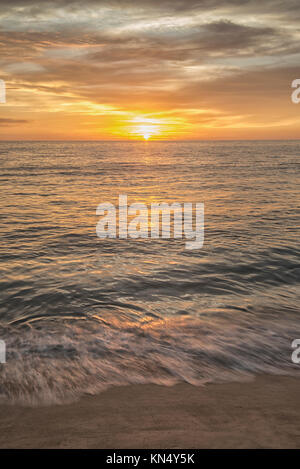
(159, 56)
(23, 68)
(6, 122)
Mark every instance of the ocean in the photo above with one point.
(79, 314)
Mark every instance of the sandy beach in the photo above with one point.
(263, 413)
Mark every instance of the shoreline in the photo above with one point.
(262, 413)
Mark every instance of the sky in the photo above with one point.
(149, 69)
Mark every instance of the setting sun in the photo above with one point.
(150, 126)
(146, 127)
(146, 131)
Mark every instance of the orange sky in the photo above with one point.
(150, 69)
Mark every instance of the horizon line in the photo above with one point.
(157, 140)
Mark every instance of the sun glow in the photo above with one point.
(146, 131)
(146, 127)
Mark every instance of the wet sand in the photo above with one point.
(264, 413)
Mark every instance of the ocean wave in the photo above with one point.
(53, 365)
